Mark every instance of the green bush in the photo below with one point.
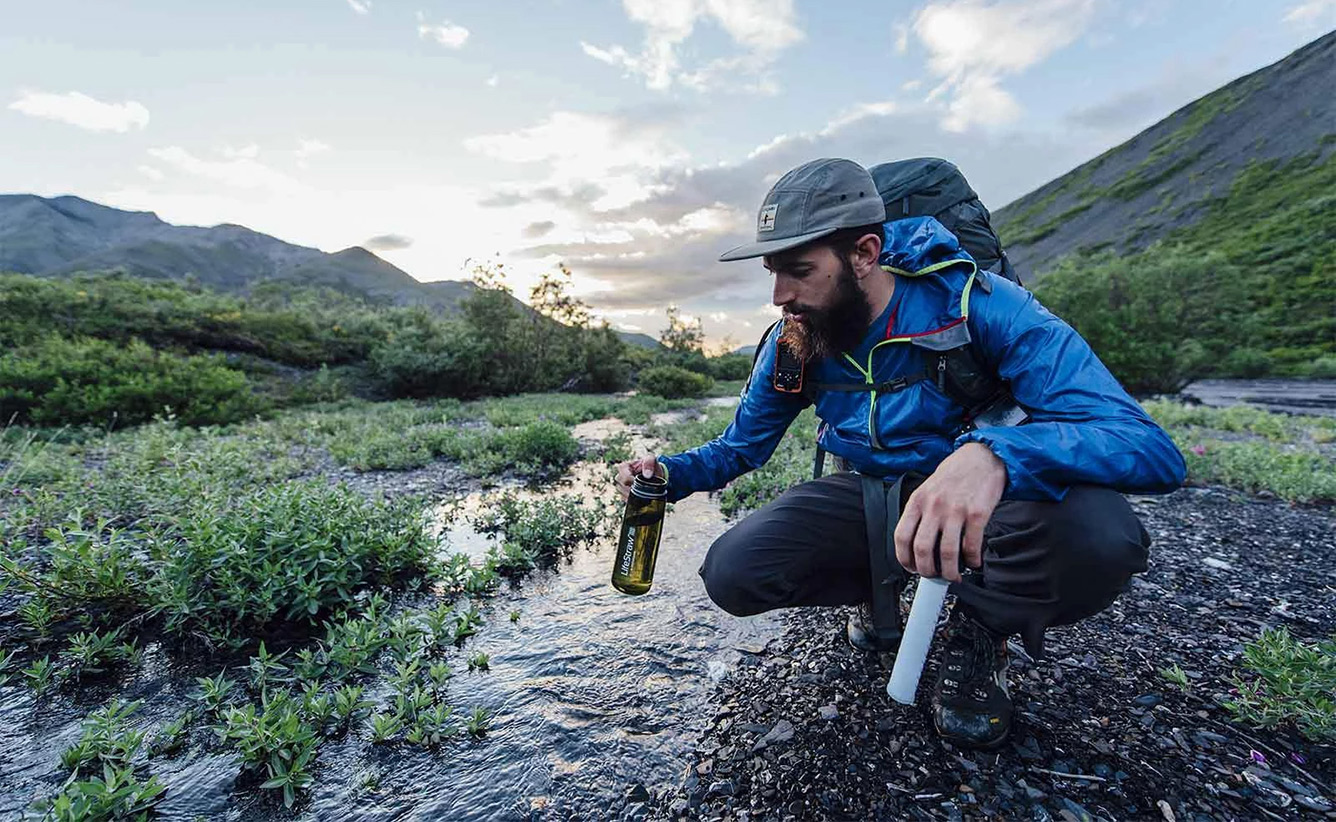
(671, 382)
(288, 323)
(1246, 363)
(1323, 368)
(730, 367)
(56, 380)
(284, 555)
(1159, 320)
(1288, 682)
(539, 447)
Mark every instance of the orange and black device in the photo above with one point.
(788, 370)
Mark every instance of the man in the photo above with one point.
(1033, 512)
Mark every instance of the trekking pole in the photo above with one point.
(928, 599)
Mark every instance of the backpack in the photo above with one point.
(932, 187)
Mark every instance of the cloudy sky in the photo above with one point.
(633, 139)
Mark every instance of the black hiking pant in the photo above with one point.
(1044, 563)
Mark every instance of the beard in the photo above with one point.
(827, 331)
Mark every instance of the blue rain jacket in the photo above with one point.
(1083, 428)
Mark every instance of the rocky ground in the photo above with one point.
(804, 729)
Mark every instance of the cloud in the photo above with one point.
(150, 172)
(246, 152)
(306, 149)
(493, 80)
(387, 242)
(78, 109)
(360, 6)
(1312, 14)
(973, 44)
(761, 28)
(602, 160)
(538, 229)
(239, 168)
(663, 247)
(446, 33)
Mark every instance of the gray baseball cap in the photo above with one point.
(811, 201)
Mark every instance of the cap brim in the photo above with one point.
(751, 250)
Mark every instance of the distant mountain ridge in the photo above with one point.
(1168, 176)
(55, 236)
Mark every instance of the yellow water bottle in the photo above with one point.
(638, 541)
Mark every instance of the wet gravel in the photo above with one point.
(804, 730)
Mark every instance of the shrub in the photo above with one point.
(287, 554)
(56, 380)
(1158, 320)
(1291, 682)
(671, 382)
(730, 367)
(541, 529)
(536, 448)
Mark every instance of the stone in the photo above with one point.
(829, 712)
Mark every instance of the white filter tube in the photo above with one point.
(928, 599)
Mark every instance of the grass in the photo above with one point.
(1280, 454)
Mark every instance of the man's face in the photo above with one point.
(825, 311)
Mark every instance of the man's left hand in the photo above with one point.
(957, 499)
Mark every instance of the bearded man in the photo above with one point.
(1027, 522)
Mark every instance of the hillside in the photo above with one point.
(1279, 123)
(55, 236)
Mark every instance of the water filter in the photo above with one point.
(923, 613)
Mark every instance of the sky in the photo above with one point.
(632, 140)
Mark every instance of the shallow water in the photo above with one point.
(1287, 396)
(593, 691)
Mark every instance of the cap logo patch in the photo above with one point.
(767, 219)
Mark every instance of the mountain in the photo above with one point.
(54, 236)
(60, 235)
(1247, 140)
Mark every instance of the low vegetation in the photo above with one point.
(1288, 682)
(1244, 291)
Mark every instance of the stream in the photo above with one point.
(593, 694)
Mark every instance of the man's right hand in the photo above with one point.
(647, 466)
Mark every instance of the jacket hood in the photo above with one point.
(940, 274)
(916, 246)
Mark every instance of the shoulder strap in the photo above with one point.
(756, 355)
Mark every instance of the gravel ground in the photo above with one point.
(804, 729)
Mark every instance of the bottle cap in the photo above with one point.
(649, 487)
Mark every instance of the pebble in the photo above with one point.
(829, 712)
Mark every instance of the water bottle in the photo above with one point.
(928, 599)
(638, 541)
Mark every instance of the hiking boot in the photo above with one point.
(863, 636)
(971, 704)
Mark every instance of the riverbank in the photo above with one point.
(804, 730)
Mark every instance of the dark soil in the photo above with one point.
(804, 729)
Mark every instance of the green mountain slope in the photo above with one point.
(1275, 123)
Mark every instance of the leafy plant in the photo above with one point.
(1288, 682)
(275, 739)
(115, 793)
(349, 704)
(213, 692)
(40, 674)
(479, 661)
(1177, 676)
(384, 726)
(479, 721)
